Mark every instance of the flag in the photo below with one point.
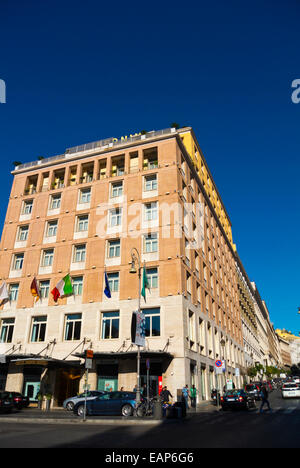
(138, 328)
(4, 296)
(145, 283)
(35, 289)
(107, 291)
(63, 288)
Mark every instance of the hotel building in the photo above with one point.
(81, 213)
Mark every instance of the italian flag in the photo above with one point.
(63, 288)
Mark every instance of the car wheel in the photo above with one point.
(127, 410)
(70, 406)
(80, 411)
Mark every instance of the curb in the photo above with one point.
(109, 422)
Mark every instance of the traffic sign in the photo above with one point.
(218, 363)
(89, 354)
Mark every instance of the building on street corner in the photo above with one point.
(76, 217)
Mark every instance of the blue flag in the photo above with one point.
(107, 288)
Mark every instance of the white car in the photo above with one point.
(290, 390)
(296, 379)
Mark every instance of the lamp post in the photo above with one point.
(223, 343)
(136, 259)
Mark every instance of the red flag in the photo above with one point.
(35, 289)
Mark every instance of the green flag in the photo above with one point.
(145, 283)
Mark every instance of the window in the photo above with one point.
(55, 202)
(113, 281)
(51, 228)
(79, 253)
(152, 321)
(44, 289)
(18, 261)
(82, 223)
(115, 217)
(13, 292)
(151, 242)
(110, 325)
(150, 211)
(73, 327)
(116, 189)
(152, 275)
(47, 258)
(85, 196)
(7, 330)
(77, 285)
(27, 207)
(150, 182)
(114, 248)
(38, 329)
(150, 159)
(23, 233)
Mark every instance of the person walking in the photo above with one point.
(264, 399)
(165, 395)
(185, 396)
(193, 396)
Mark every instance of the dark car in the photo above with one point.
(237, 399)
(6, 403)
(19, 401)
(111, 403)
(253, 390)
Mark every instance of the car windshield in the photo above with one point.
(251, 387)
(287, 386)
(4, 395)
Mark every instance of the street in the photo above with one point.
(208, 429)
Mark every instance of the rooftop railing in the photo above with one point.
(101, 144)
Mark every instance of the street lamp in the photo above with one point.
(223, 343)
(136, 260)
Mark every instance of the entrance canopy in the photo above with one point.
(34, 360)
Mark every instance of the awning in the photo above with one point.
(43, 361)
(145, 354)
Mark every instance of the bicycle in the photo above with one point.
(145, 408)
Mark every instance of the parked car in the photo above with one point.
(20, 401)
(237, 399)
(253, 390)
(290, 390)
(6, 403)
(69, 403)
(111, 403)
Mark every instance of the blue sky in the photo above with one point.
(81, 71)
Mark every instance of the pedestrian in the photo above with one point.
(165, 395)
(185, 396)
(264, 399)
(122, 389)
(193, 396)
